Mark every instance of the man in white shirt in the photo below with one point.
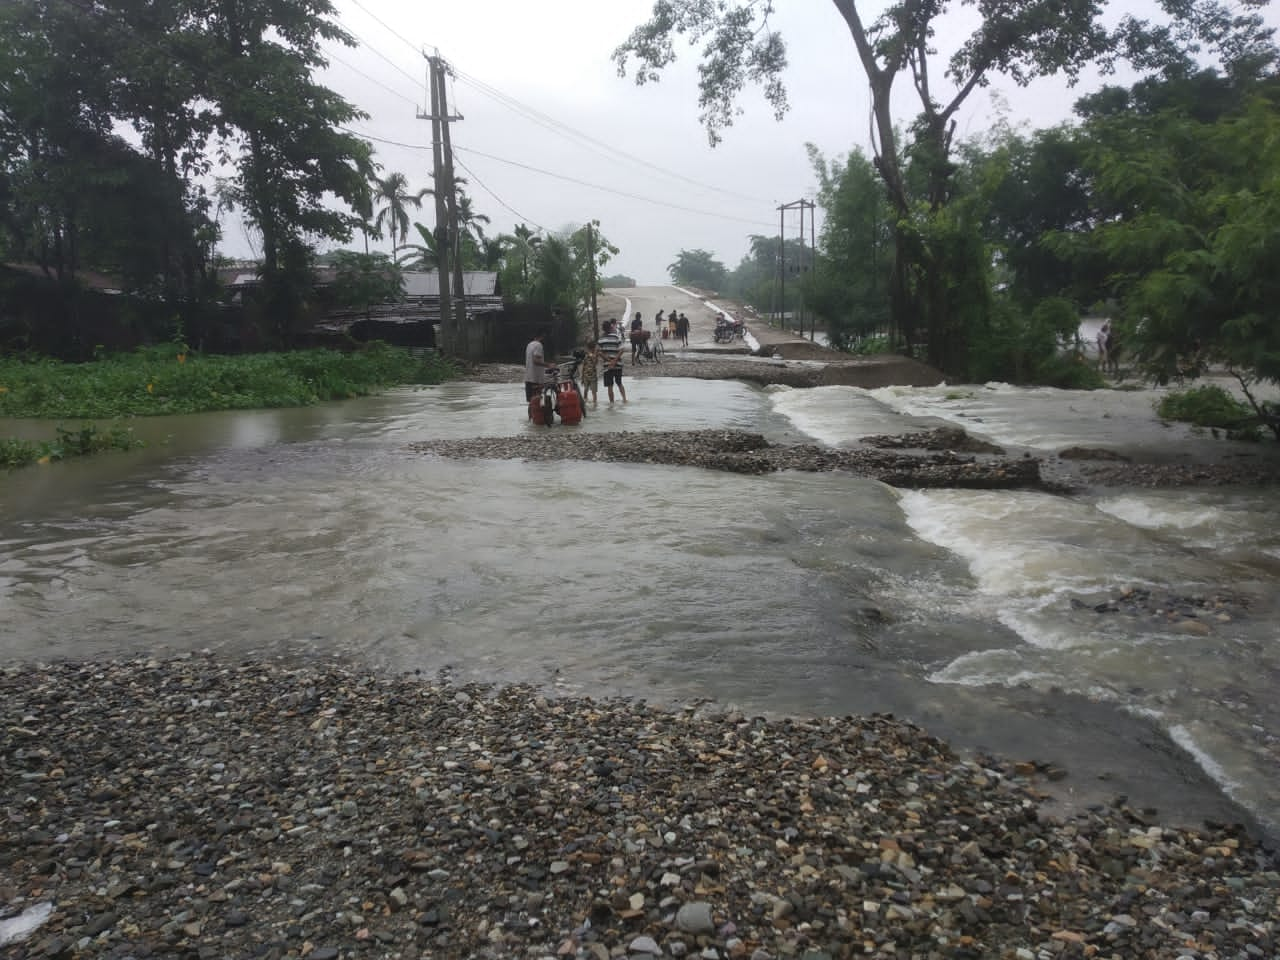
(535, 366)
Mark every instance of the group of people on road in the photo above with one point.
(677, 326)
(603, 357)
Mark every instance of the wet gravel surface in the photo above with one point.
(1070, 469)
(199, 808)
(739, 452)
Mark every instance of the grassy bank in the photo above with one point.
(167, 380)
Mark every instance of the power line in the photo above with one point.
(518, 215)
(395, 93)
(391, 30)
(530, 113)
(559, 176)
(606, 150)
(621, 193)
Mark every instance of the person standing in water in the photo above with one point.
(611, 359)
(590, 375)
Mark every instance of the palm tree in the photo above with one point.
(492, 250)
(423, 256)
(523, 244)
(468, 220)
(393, 191)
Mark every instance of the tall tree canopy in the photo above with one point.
(698, 268)
(1019, 39)
(198, 80)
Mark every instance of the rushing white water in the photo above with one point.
(317, 532)
(1040, 564)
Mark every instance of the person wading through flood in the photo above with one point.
(611, 358)
(535, 366)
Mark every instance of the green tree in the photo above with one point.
(292, 158)
(1194, 247)
(521, 254)
(698, 268)
(394, 198)
(850, 286)
(422, 256)
(1020, 39)
(362, 279)
(69, 184)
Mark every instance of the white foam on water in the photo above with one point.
(982, 668)
(1233, 521)
(1183, 738)
(839, 415)
(16, 929)
(1158, 513)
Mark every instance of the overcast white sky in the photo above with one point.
(553, 137)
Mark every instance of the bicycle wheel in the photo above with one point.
(548, 409)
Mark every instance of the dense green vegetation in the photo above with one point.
(67, 443)
(162, 380)
(1211, 406)
(1157, 207)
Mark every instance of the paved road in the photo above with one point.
(624, 302)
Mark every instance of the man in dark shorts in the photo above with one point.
(611, 359)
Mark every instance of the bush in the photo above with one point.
(1209, 406)
(68, 443)
(169, 379)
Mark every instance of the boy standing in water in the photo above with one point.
(611, 357)
(591, 372)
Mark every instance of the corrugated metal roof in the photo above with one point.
(427, 283)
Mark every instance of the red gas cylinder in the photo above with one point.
(569, 404)
(535, 410)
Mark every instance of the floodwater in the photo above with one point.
(317, 532)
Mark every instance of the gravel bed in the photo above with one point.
(739, 452)
(198, 808)
(1070, 469)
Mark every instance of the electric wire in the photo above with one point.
(487, 189)
(561, 176)
(374, 80)
(536, 116)
(606, 150)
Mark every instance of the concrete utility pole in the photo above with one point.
(455, 234)
(451, 326)
(802, 206)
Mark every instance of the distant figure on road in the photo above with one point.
(682, 330)
(637, 335)
(1104, 346)
(611, 357)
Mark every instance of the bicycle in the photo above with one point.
(650, 350)
(559, 380)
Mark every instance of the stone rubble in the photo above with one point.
(198, 808)
(739, 452)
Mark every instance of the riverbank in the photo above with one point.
(195, 807)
